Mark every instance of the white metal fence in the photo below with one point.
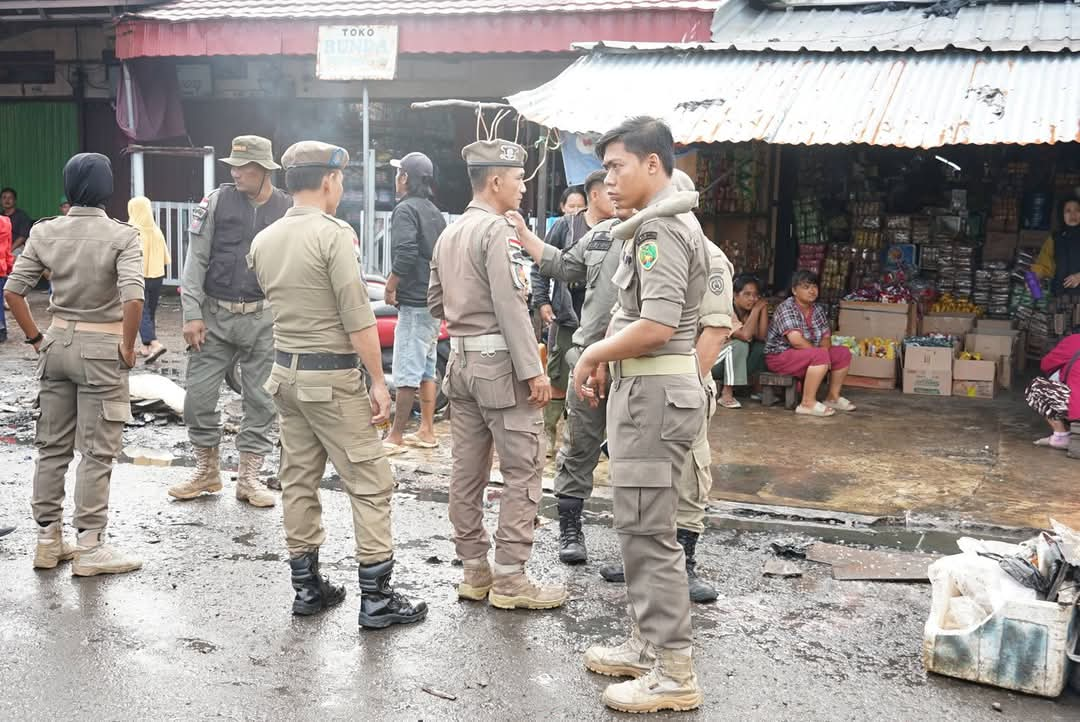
(174, 218)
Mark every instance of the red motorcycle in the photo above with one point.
(386, 321)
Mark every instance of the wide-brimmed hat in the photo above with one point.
(251, 149)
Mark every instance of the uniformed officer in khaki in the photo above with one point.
(715, 326)
(323, 328)
(84, 357)
(656, 407)
(494, 380)
(226, 321)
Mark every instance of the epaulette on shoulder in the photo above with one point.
(337, 221)
(43, 220)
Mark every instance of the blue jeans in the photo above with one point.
(152, 295)
(415, 347)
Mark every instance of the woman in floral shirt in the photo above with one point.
(800, 345)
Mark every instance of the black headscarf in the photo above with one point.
(88, 180)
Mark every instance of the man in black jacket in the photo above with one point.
(414, 227)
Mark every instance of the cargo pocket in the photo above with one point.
(645, 509)
(531, 422)
(108, 433)
(102, 364)
(271, 386)
(369, 471)
(683, 414)
(493, 385)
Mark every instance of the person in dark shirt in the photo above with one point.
(414, 227)
(20, 221)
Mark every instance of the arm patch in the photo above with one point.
(198, 216)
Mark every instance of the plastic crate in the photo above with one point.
(1024, 646)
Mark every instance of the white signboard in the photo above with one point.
(357, 52)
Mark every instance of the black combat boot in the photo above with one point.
(700, 592)
(571, 537)
(380, 605)
(314, 593)
(613, 573)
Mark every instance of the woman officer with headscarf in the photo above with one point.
(84, 358)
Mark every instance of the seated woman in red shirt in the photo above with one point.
(1056, 394)
(800, 344)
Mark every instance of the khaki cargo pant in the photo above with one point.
(583, 435)
(695, 483)
(490, 410)
(327, 415)
(84, 403)
(652, 424)
(229, 335)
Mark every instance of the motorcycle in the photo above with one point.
(386, 322)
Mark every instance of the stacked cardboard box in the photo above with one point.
(864, 319)
(998, 345)
(928, 371)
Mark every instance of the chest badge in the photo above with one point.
(648, 254)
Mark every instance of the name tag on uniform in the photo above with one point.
(599, 242)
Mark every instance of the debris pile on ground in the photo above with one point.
(155, 399)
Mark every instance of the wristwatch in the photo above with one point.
(36, 339)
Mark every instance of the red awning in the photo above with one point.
(467, 34)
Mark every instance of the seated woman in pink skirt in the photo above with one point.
(799, 344)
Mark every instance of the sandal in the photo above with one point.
(841, 404)
(155, 355)
(1049, 441)
(820, 410)
(393, 449)
(732, 404)
(416, 441)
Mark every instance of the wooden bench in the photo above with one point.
(772, 385)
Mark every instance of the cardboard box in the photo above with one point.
(949, 324)
(868, 382)
(874, 368)
(999, 246)
(974, 370)
(928, 371)
(991, 325)
(992, 344)
(864, 319)
(1032, 239)
(973, 389)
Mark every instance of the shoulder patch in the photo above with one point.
(648, 254)
(198, 216)
(519, 266)
(716, 283)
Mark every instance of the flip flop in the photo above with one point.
(820, 410)
(1049, 441)
(841, 404)
(733, 404)
(151, 358)
(393, 449)
(416, 441)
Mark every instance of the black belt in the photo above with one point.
(318, 361)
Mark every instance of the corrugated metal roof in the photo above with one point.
(186, 10)
(1047, 26)
(916, 100)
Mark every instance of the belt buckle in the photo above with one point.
(489, 349)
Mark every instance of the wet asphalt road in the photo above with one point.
(205, 630)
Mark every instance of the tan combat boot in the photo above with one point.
(51, 547)
(93, 556)
(633, 658)
(207, 476)
(477, 581)
(671, 684)
(248, 486)
(513, 589)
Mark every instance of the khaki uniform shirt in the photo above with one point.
(307, 266)
(479, 284)
(662, 277)
(593, 259)
(96, 264)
